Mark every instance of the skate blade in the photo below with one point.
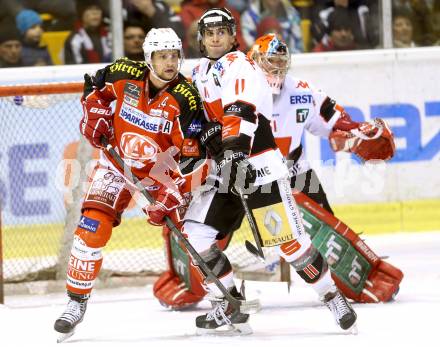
(227, 330)
(64, 336)
(250, 306)
(353, 330)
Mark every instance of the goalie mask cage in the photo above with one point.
(44, 168)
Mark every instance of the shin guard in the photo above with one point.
(91, 235)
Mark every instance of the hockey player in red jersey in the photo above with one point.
(235, 93)
(154, 125)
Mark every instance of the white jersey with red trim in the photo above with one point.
(228, 87)
(232, 77)
(298, 108)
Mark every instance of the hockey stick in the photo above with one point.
(256, 251)
(243, 306)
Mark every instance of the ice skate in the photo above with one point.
(344, 314)
(71, 317)
(224, 319)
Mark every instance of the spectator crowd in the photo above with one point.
(27, 26)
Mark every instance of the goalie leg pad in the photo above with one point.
(182, 284)
(173, 293)
(382, 285)
(357, 271)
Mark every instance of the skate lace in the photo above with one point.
(338, 306)
(73, 311)
(218, 314)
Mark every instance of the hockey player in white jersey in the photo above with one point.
(299, 106)
(236, 94)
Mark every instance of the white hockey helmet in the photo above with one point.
(159, 40)
(273, 56)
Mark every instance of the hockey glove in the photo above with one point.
(211, 138)
(236, 171)
(370, 140)
(96, 122)
(166, 202)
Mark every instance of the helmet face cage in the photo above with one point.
(272, 55)
(213, 18)
(159, 40)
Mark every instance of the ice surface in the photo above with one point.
(132, 317)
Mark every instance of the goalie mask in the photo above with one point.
(160, 40)
(212, 18)
(272, 55)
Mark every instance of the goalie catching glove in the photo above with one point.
(97, 122)
(369, 140)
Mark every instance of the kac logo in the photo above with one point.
(137, 147)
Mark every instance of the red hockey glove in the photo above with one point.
(371, 140)
(167, 201)
(96, 122)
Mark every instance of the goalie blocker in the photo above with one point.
(357, 271)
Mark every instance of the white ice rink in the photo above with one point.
(132, 317)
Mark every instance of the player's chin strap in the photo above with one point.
(244, 306)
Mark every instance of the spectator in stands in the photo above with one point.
(402, 29)
(90, 42)
(418, 12)
(191, 43)
(153, 14)
(340, 35)
(238, 5)
(270, 25)
(29, 24)
(192, 10)
(433, 37)
(360, 20)
(134, 35)
(10, 45)
(62, 11)
(283, 11)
